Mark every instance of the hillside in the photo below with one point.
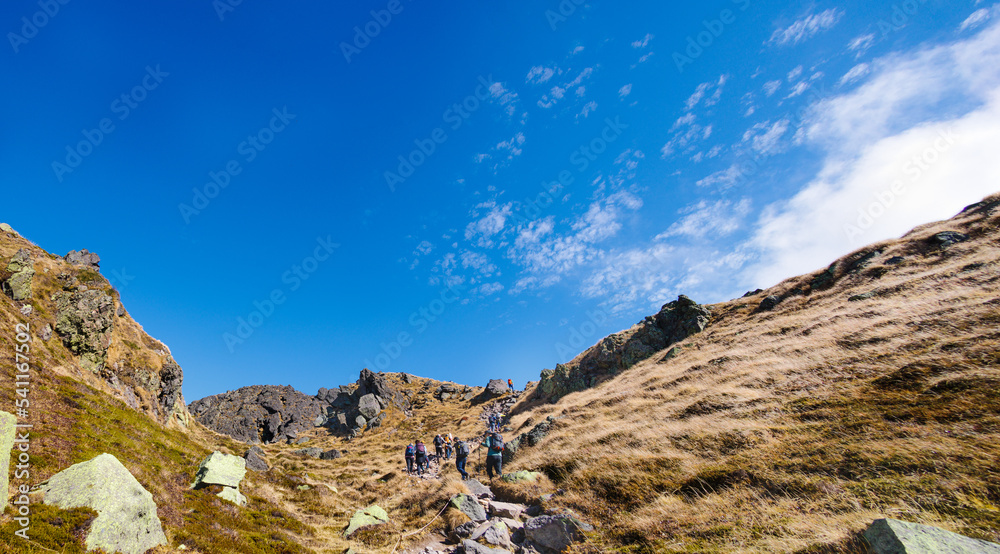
(783, 421)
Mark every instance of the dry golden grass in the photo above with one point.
(791, 430)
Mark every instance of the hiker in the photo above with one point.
(410, 455)
(421, 457)
(510, 385)
(461, 455)
(494, 454)
(438, 447)
(447, 447)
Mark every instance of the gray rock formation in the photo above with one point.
(256, 459)
(126, 514)
(768, 303)
(330, 454)
(312, 452)
(85, 322)
(258, 413)
(468, 505)
(891, 536)
(22, 270)
(368, 406)
(472, 547)
(529, 439)
(84, 258)
(675, 322)
(552, 534)
(947, 238)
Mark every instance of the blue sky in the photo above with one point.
(288, 194)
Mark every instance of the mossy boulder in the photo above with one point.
(372, 515)
(892, 536)
(226, 471)
(522, 476)
(85, 320)
(468, 505)
(22, 270)
(126, 514)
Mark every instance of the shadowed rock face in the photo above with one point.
(258, 413)
(675, 322)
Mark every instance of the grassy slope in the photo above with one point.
(791, 430)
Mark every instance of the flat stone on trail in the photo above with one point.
(891, 536)
(471, 547)
(555, 533)
(469, 506)
(126, 513)
(220, 469)
(505, 509)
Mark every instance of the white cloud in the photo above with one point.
(716, 219)
(977, 18)
(588, 108)
(512, 146)
(505, 98)
(806, 28)
(771, 87)
(625, 91)
(794, 74)
(484, 227)
(891, 134)
(798, 89)
(558, 92)
(854, 74)
(765, 138)
(861, 44)
(539, 74)
(643, 42)
(723, 179)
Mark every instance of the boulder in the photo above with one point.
(478, 489)
(469, 506)
(377, 384)
(7, 228)
(85, 322)
(947, 238)
(372, 515)
(554, 533)
(312, 452)
(220, 469)
(22, 270)
(255, 459)
(233, 495)
(46, 332)
(7, 423)
(330, 455)
(83, 258)
(493, 532)
(368, 407)
(126, 514)
(258, 413)
(768, 303)
(891, 536)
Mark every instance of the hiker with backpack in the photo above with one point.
(510, 385)
(438, 447)
(410, 455)
(461, 455)
(494, 454)
(447, 446)
(421, 456)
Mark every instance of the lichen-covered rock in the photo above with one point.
(468, 505)
(258, 413)
(85, 322)
(7, 423)
(372, 515)
(126, 514)
(891, 536)
(220, 469)
(233, 494)
(22, 270)
(521, 476)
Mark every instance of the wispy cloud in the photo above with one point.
(806, 28)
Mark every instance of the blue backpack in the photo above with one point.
(410, 451)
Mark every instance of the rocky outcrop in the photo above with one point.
(256, 460)
(529, 439)
(891, 536)
(83, 258)
(85, 322)
(126, 514)
(258, 413)
(22, 270)
(224, 470)
(7, 423)
(675, 322)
